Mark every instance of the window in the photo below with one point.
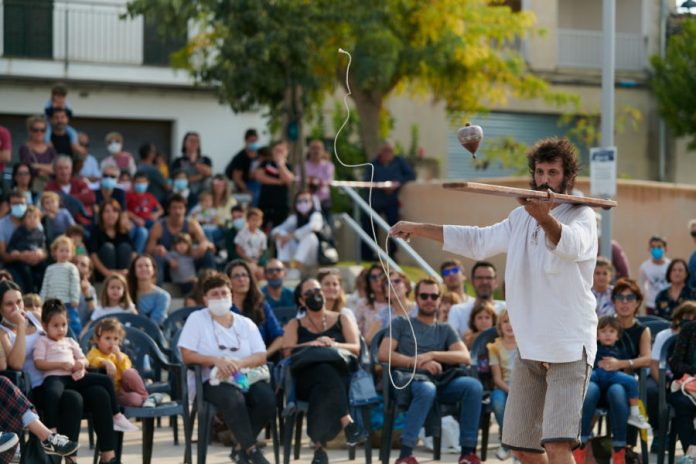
(157, 48)
(28, 28)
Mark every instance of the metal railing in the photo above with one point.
(360, 205)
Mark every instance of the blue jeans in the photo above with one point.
(606, 378)
(498, 400)
(466, 391)
(138, 236)
(616, 398)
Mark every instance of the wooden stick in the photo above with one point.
(502, 191)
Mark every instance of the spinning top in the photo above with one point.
(470, 137)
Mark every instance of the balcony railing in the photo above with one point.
(583, 49)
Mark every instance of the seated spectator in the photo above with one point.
(62, 281)
(74, 192)
(296, 240)
(125, 181)
(275, 293)
(181, 265)
(61, 135)
(482, 318)
(369, 309)
(206, 215)
(37, 152)
(108, 187)
(323, 385)
(88, 294)
(33, 304)
(681, 364)
(29, 237)
(236, 223)
(196, 297)
(118, 157)
(359, 291)
(56, 220)
(90, 166)
(76, 233)
(439, 349)
(156, 182)
(678, 291)
(143, 207)
(653, 272)
(501, 356)
(197, 167)
(335, 298)
(248, 301)
(216, 337)
(251, 243)
(241, 169)
(275, 176)
(601, 286)
(8, 224)
(23, 180)
(223, 201)
(162, 163)
(448, 300)
(110, 246)
(319, 172)
(150, 300)
(162, 234)
(114, 298)
(684, 313)
(398, 289)
(454, 278)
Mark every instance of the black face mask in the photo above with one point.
(315, 302)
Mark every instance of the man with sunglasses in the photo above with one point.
(551, 252)
(438, 350)
(452, 272)
(277, 295)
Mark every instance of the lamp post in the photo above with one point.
(608, 35)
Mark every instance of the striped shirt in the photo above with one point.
(62, 281)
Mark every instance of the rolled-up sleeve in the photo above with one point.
(477, 242)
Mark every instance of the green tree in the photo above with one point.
(674, 82)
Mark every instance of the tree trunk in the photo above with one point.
(369, 107)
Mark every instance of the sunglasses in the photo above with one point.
(38, 129)
(311, 292)
(109, 176)
(631, 297)
(432, 296)
(222, 347)
(274, 270)
(396, 281)
(374, 277)
(452, 270)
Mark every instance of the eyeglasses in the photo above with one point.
(311, 292)
(23, 173)
(38, 129)
(222, 347)
(432, 296)
(109, 176)
(374, 277)
(396, 281)
(452, 270)
(239, 276)
(631, 297)
(484, 278)
(274, 270)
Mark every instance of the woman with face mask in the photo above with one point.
(295, 239)
(248, 301)
(323, 385)
(119, 158)
(224, 343)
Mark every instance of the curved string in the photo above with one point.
(385, 265)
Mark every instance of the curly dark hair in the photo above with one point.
(550, 149)
(254, 301)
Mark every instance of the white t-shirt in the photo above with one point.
(659, 342)
(653, 279)
(460, 313)
(548, 287)
(205, 336)
(252, 243)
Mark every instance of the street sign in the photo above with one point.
(603, 172)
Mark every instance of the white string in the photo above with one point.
(385, 267)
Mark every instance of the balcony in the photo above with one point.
(82, 39)
(583, 49)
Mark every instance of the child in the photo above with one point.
(56, 219)
(88, 294)
(501, 358)
(130, 389)
(64, 366)
(62, 280)
(448, 300)
(207, 216)
(28, 238)
(182, 268)
(114, 298)
(601, 287)
(608, 334)
(124, 181)
(236, 223)
(143, 208)
(653, 272)
(482, 317)
(32, 303)
(76, 233)
(250, 242)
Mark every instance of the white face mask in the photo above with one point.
(304, 206)
(220, 307)
(114, 147)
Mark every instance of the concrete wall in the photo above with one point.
(645, 209)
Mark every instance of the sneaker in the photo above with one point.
(149, 403)
(239, 457)
(470, 458)
(619, 457)
(407, 460)
(502, 453)
(639, 422)
(59, 445)
(121, 424)
(686, 459)
(320, 456)
(257, 457)
(7, 441)
(353, 435)
(580, 455)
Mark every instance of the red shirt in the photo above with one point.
(5, 143)
(142, 204)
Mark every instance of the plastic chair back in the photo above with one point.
(656, 326)
(140, 322)
(479, 357)
(176, 320)
(285, 314)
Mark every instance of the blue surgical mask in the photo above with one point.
(180, 184)
(140, 187)
(239, 223)
(657, 253)
(18, 210)
(253, 146)
(108, 183)
(275, 283)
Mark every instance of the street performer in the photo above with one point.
(552, 249)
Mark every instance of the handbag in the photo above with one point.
(687, 385)
(33, 453)
(362, 389)
(307, 356)
(258, 374)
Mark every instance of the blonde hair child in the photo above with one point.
(62, 280)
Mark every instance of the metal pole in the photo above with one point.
(662, 129)
(608, 36)
(358, 244)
